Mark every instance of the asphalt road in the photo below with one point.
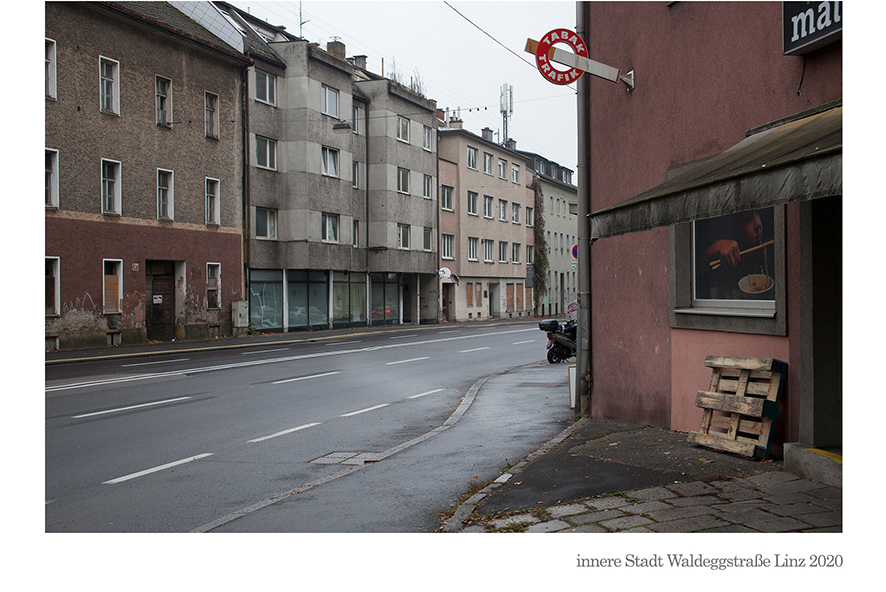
(332, 435)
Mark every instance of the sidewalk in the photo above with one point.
(604, 476)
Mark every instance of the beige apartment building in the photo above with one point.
(486, 227)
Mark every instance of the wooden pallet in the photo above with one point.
(741, 404)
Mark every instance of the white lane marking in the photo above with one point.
(401, 336)
(522, 342)
(305, 377)
(364, 410)
(170, 373)
(467, 351)
(405, 361)
(264, 351)
(284, 432)
(130, 407)
(427, 393)
(343, 342)
(156, 469)
(157, 362)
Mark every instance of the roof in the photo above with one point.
(795, 161)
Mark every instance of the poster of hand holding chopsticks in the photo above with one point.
(734, 256)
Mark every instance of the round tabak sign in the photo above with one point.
(544, 47)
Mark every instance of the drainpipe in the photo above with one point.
(585, 374)
(247, 198)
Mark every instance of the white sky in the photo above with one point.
(459, 65)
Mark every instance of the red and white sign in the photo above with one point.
(544, 48)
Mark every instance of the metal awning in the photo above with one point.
(796, 161)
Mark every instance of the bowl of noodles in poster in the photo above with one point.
(756, 283)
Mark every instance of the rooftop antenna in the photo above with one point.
(507, 108)
(301, 22)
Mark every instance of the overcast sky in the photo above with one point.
(460, 65)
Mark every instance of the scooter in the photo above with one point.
(561, 339)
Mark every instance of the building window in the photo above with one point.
(487, 206)
(472, 203)
(163, 101)
(266, 153)
(213, 281)
(502, 168)
(428, 239)
(530, 221)
(212, 202)
(469, 294)
(111, 194)
(355, 174)
(447, 246)
(265, 87)
(329, 101)
(109, 81)
(487, 163)
(357, 119)
(402, 129)
(50, 178)
(515, 252)
(265, 223)
(329, 228)
(403, 180)
(472, 158)
(165, 195)
(530, 254)
(446, 197)
(427, 187)
(211, 120)
(112, 286)
(515, 213)
(488, 247)
(502, 210)
(472, 248)
(503, 251)
(50, 70)
(427, 138)
(402, 236)
(329, 161)
(355, 233)
(515, 174)
(52, 286)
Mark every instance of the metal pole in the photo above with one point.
(584, 375)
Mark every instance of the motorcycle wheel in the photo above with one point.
(554, 356)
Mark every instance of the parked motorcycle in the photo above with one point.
(561, 339)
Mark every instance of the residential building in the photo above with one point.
(341, 201)
(559, 212)
(731, 139)
(486, 234)
(144, 174)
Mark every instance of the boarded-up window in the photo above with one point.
(519, 296)
(112, 286)
(510, 297)
(479, 294)
(470, 294)
(213, 271)
(51, 276)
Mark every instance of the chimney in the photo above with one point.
(360, 61)
(336, 49)
(511, 144)
(487, 134)
(455, 123)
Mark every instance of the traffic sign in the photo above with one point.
(575, 251)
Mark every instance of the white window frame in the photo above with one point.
(403, 231)
(502, 168)
(427, 138)
(268, 85)
(446, 198)
(530, 217)
(118, 263)
(169, 214)
(211, 119)
(325, 108)
(402, 180)
(51, 178)
(330, 225)
(530, 254)
(515, 213)
(503, 210)
(355, 174)
(488, 201)
(268, 153)
(473, 243)
(213, 201)
(472, 158)
(502, 251)
(213, 284)
(355, 233)
(515, 174)
(329, 161)
(270, 216)
(515, 252)
(51, 69)
(428, 239)
(117, 208)
(163, 101)
(472, 203)
(402, 129)
(489, 250)
(447, 247)
(109, 87)
(427, 187)
(56, 296)
(487, 163)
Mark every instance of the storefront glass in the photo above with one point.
(266, 299)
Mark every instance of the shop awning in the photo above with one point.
(796, 161)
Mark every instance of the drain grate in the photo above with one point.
(347, 458)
